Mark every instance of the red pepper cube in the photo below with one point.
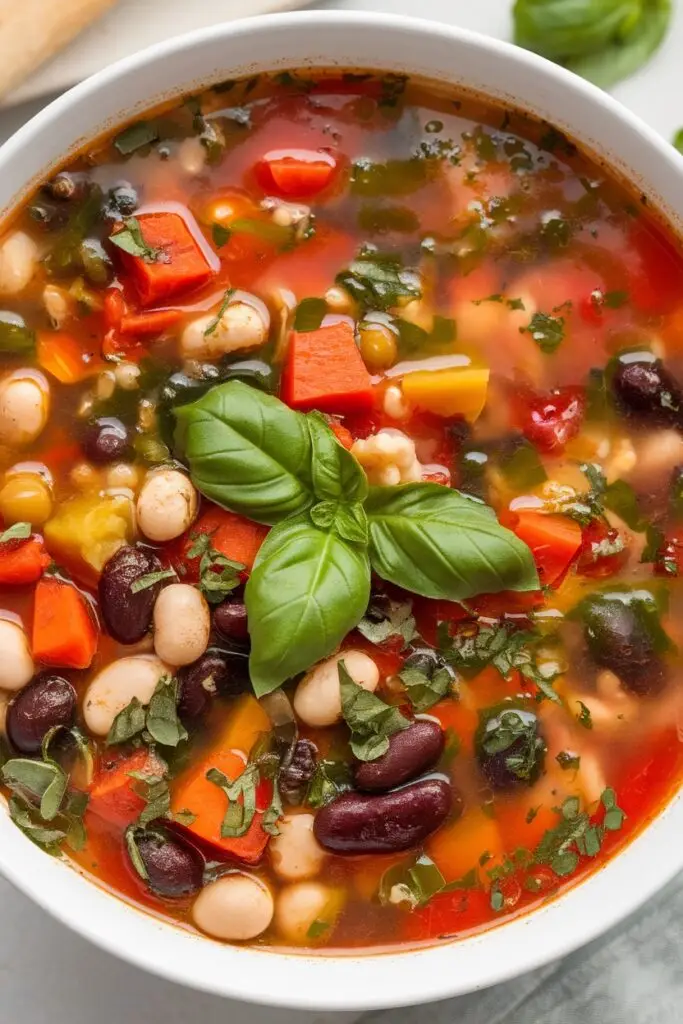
(180, 267)
(324, 370)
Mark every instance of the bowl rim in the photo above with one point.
(348, 982)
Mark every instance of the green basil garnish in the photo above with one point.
(157, 722)
(130, 239)
(425, 691)
(218, 575)
(370, 720)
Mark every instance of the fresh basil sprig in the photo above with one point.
(369, 718)
(310, 584)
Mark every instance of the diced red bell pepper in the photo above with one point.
(554, 540)
(324, 370)
(114, 795)
(22, 561)
(549, 421)
(295, 173)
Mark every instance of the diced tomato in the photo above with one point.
(114, 308)
(549, 421)
(594, 558)
(64, 631)
(555, 542)
(180, 265)
(113, 793)
(295, 173)
(324, 370)
(22, 561)
(654, 269)
(155, 322)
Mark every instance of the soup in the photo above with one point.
(340, 431)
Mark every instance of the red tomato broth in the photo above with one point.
(505, 221)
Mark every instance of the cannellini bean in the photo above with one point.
(242, 325)
(18, 261)
(167, 505)
(235, 907)
(24, 407)
(57, 304)
(191, 156)
(338, 300)
(388, 457)
(299, 906)
(317, 700)
(16, 664)
(182, 623)
(114, 687)
(295, 853)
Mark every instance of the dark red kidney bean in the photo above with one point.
(230, 619)
(46, 701)
(236, 679)
(106, 440)
(128, 615)
(200, 681)
(174, 868)
(410, 753)
(645, 389)
(295, 776)
(361, 823)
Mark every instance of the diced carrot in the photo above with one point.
(114, 308)
(113, 795)
(232, 535)
(143, 324)
(324, 370)
(193, 792)
(555, 542)
(64, 631)
(61, 355)
(182, 266)
(454, 392)
(460, 718)
(22, 561)
(297, 173)
(457, 848)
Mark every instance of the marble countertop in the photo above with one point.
(632, 976)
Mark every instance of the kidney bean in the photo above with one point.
(230, 619)
(410, 752)
(619, 639)
(199, 681)
(646, 390)
(509, 746)
(128, 616)
(174, 868)
(361, 823)
(236, 679)
(44, 703)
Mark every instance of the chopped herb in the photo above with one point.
(614, 816)
(516, 732)
(158, 721)
(568, 761)
(19, 531)
(379, 283)
(218, 575)
(221, 310)
(129, 722)
(385, 619)
(546, 330)
(371, 721)
(318, 928)
(143, 133)
(130, 239)
(497, 899)
(414, 885)
(531, 814)
(220, 235)
(150, 579)
(241, 794)
(153, 789)
(584, 716)
(309, 314)
(330, 778)
(471, 650)
(424, 691)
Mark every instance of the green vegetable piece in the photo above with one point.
(18, 531)
(65, 258)
(96, 264)
(218, 575)
(547, 331)
(439, 543)
(309, 314)
(220, 235)
(130, 239)
(16, 339)
(307, 590)
(389, 619)
(371, 180)
(129, 722)
(330, 779)
(379, 283)
(370, 720)
(247, 452)
(241, 796)
(137, 135)
(336, 474)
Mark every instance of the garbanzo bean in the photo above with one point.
(25, 498)
(377, 346)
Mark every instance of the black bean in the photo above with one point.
(645, 390)
(410, 752)
(619, 639)
(427, 660)
(236, 679)
(509, 747)
(174, 868)
(230, 619)
(128, 615)
(122, 202)
(106, 440)
(65, 186)
(295, 776)
(46, 702)
(200, 681)
(361, 823)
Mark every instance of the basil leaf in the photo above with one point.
(309, 314)
(414, 885)
(129, 722)
(162, 722)
(130, 239)
(19, 531)
(156, 794)
(307, 590)
(241, 796)
(425, 691)
(144, 582)
(330, 778)
(218, 575)
(379, 283)
(43, 783)
(385, 618)
(131, 836)
(220, 235)
(335, 472)
(628, 53)
(348, 521)
(247, 451)
(439, 543)
(546, 330)
(370, 720)
(48, 839)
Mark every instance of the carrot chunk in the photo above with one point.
(23, 561)
(64, 632)
(193, 792)
(297, 173)
(60, 355)
(180, 264)
(143, 324)
(324, 370)
(554, 541)
(231, 535)
(113, 795)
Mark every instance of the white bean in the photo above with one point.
(295, 853)
(240, 326)
(317, 700)
(24, 407)
(167, 505)
(182, 623)
(300, 906)
(114, 687)
(236, 907)
(18, 262)
(16, 664)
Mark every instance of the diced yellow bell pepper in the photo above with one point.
(452, 392)
(90, 529)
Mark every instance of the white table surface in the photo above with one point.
(49, 975)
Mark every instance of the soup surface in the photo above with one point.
(341, 443)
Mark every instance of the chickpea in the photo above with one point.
(84, 476)
(338, 300)
(122, 474)
(25, 498)
(18, 262)
(317, 700)
(242, 325)
(236, 908)
(24, 406)
(182, 623)
(295, 853)
(299, 906)
(167, 505)
(16, 664)
(114, 687)
(377, 346)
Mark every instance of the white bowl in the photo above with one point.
(590, 117)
